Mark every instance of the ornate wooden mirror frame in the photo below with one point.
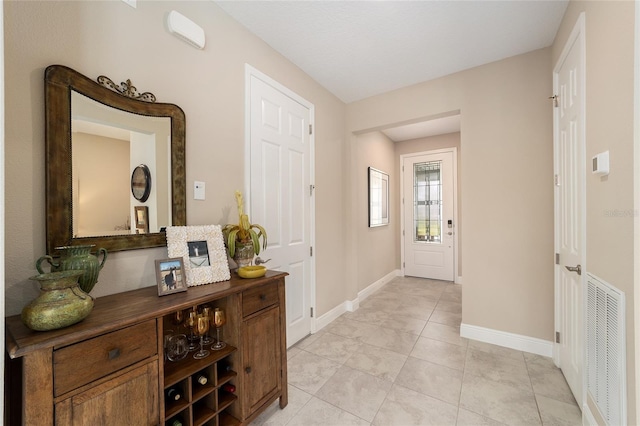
(60, 81)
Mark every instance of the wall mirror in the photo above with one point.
(95, 139)
(378, 198)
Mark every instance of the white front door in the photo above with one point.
(280, 192)
(428, 197)
(569, 147)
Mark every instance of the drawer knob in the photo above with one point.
(114, 353)
(263, 297)
(247, 370)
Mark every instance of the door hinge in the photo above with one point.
(310, 129)
(311, 188)
(312, 312)
(557, 337)
(403, 264)
(311, 251)
(556, 180)
(403, 232)
(557, 258)
(555, 100)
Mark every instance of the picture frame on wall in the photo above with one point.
(378, 197)
(141, 219)
(170, 276)
(202, 251)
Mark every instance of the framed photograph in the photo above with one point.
(142, 219)
(170, 276)
(202, 251)
(378, 198)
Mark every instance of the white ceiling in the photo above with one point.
(358, 49)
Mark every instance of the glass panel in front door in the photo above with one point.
(427, 202)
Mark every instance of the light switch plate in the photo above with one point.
(198, 190)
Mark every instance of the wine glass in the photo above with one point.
(206, 311)
(202, 327)
(219, 320)
(178, 318)
(192, 323)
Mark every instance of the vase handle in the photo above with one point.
(104, 256)
(49, 259)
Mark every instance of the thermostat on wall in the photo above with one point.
(601, 164)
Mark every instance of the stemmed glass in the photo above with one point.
(219, 320)
(178, 318)
(206, 311)
(192, 323)
(202, 327)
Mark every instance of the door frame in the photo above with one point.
(577, 37)
(249, 72)
(454, 151)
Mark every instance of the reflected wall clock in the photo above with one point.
(141, 183)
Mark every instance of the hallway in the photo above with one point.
(399, 360)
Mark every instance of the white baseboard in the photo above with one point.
(372, 288)
(459, 279)
(327, 318)
(508, 340)
(353, 305)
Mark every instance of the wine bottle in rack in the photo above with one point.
(202, 379)
(175, 422)
(173, 394)
(224, 366)
(228, 387)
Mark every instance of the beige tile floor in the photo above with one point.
(399, 360)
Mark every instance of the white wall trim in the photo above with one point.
(327, 318)
(377, 285)
(508, 340)
(353, 305)
(636, 202)
(459, 279)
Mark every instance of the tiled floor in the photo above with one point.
(400, 360)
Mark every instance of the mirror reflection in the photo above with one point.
(107, 145)
(96, 134)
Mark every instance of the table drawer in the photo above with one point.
(258, 298)
(82, 363)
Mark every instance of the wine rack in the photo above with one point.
(200, 404)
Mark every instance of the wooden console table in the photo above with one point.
(111, 366)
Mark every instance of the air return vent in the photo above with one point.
(606, 359)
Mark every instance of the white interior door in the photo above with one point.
(280, 193)
(569, 147)
(428, 197)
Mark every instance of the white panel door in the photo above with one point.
(280, 196)
(428, 216)
(569, 211)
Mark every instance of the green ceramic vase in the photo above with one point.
(80, 258)
(61, 302)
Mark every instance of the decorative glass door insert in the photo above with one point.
(427, 202)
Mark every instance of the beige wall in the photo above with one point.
(449, 140)
(110, 38)
(94, 158)
(609, 126)
(376, 246)
(507, 206)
